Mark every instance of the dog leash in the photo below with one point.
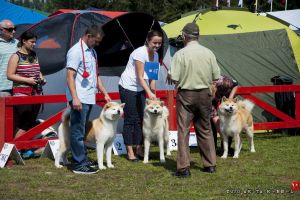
(85, 74)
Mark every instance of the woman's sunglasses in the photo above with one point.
(10, 29)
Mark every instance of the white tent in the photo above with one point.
(290, 17)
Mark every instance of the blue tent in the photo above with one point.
(18, 14)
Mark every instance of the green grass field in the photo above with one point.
(266, 174)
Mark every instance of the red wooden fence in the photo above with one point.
(25, 141)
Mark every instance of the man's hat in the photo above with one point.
(191, 29)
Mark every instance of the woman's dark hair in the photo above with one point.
(27, 35)
(152, 34)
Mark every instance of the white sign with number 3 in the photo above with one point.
(173, 140)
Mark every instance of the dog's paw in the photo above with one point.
(59, 166)
(102, 167)
(252, 150)
(224, 156)
(236, 156)
(145, 161)
(162, 161)
(168, 153)
(110, 166)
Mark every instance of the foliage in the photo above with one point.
(266, 174)
(163, 10)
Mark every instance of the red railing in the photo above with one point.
(24, 141)
(287, 121)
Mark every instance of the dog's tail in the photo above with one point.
(66, 116)
(63, 129)
(165, 112)
(247, 104)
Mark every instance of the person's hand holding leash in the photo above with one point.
(77, 104)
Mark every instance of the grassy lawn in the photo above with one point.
(266, 174)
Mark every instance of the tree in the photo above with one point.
(163, 10)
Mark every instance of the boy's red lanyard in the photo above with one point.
(85, 74)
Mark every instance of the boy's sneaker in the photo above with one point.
(92, 164)
(85, 170)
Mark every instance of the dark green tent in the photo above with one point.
(249, 47)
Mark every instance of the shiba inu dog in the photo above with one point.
(101, 131)
(156, 127)
(235, 117)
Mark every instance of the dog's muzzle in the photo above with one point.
(117, 115)
(153, 111)
(230, 110)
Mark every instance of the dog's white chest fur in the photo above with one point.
(153, 125)
(229, 125)
(106, 131)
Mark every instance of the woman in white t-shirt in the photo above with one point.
(133, 87)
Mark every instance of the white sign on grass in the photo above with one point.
(51, 149)
(119, 146)
(10, 151)
(173, 140)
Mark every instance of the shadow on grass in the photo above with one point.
(272, 135)
(171, 164)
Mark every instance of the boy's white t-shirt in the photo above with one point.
(129, 78)
(86, 88)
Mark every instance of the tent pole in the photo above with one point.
(271, 6)
(240, 3)
(285, 7)
(256, 6)
(125, 34)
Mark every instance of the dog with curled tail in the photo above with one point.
(235, 118)
(101, 131)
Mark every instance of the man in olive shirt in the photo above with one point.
(193, 70)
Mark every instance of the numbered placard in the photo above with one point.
(10, 151)
(51, 149)
(173, 140)
(119, 146)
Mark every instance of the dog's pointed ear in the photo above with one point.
(122, 105)
(224, 98)
(107, 105)
(162, 103)
(235, 99)
(148, 101)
